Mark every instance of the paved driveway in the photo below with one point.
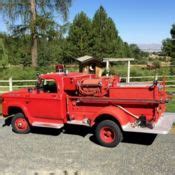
(74, 152)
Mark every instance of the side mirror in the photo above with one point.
(30, 89)
(38, 86)
(155, 82)
(38, 83)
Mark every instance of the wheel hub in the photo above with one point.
(21, 124)
(107, 134)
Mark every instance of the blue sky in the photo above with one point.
(138, 21)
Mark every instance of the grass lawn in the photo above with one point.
(171, 89)
(171, 105)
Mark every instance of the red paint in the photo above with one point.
(77, 96)
(107, 134)
(59, 68)
(21, 124)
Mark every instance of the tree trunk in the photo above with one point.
(34, 48)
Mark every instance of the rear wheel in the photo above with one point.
(108, 133)
(20, 124)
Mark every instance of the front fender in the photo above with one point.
(17, 105)
(115, 112)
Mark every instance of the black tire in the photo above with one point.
(20, 124)
(113, 138)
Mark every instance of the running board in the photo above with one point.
(163, 126)
(47, 125)
(79, 122)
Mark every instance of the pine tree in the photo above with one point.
(104, 35)
(169, 48)
(80, 35)
(3, 55)
(172, 32)
(34, 15)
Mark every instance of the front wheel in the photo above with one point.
(20, 124)
(108, 133)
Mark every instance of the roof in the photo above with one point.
(85, 58)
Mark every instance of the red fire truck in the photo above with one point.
(105, 104)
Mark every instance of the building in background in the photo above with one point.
(89, 64)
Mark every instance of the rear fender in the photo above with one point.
(113, 111)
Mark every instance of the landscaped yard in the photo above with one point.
(171, 105)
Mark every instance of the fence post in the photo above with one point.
(107, 68)
(128, 73)
(10, 84)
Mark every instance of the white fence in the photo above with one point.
(10, 84)
(170, 80)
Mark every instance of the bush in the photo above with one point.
(19, 72)
(26, 73)
(156, 64)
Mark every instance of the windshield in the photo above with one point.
(47, 85)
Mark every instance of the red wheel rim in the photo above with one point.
(21, 124)
(107, 134)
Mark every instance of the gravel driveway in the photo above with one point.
(74, 152)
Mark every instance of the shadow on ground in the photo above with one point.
(139, 138)
(133, 138)
(83, 131)
(46, 131)
(67, 129)
(7, 122)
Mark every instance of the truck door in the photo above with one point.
(46, 103)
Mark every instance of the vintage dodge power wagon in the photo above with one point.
(105, 104)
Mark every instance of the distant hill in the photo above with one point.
(150, 47)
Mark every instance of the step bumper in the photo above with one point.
(163, 126)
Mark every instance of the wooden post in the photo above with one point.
(128, 73)
(108, 60)
(10, 84)
(107, 68)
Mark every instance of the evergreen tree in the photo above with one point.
(98, 37)
(104, 35)
(80, 35)
(139, 55)
(169, 48)
(135, 51)
(18, 48)
(111, 39)
(35, 16)
(120, 48)
(3, 55)
(172, 32)
(168, 45)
